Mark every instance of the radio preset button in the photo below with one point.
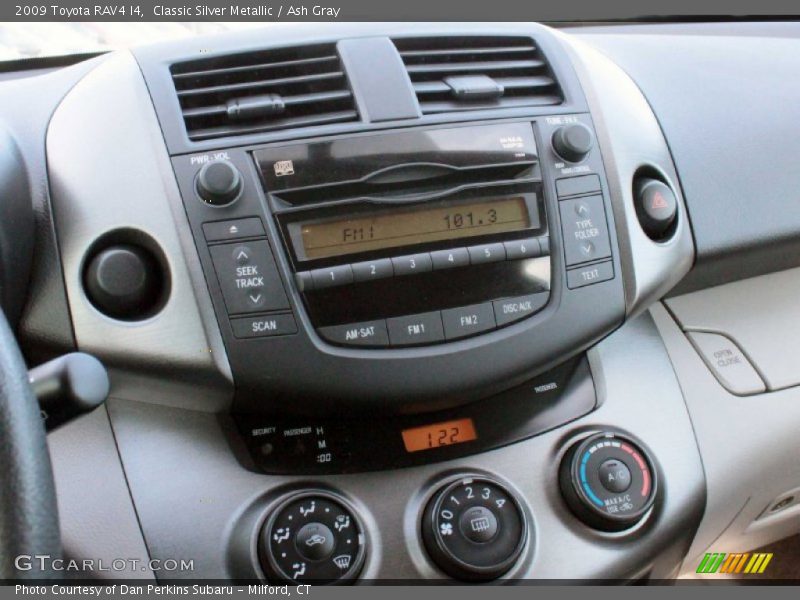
(304, 280)
(367, 333)
(585, 230)
(519, 249)
(486, 253)
(248, 277)
(467, 320)
(413, 330)
(413, 263)
(372, 269)
(590, 274)
(513, 309)
(544, 244)
(448, 259)
(266, 326)
(332, 276)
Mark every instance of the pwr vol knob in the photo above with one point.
(608, 481)
(219, 183)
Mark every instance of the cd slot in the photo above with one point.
(412, 182)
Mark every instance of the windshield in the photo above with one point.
(35, 40)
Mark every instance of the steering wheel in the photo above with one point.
(28, 510)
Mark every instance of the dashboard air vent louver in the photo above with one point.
(478, 72)
(263, 91)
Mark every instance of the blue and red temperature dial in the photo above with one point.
(608, 481)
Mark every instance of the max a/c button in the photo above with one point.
(269, 325)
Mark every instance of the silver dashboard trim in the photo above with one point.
(630, 137)
(109, 169)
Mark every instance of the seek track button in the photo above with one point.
(248, 277)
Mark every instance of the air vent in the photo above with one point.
(263, 91)
(478, 72)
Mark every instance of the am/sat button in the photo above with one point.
(413, 330)
(368, 333)
(265, 326)
(467, 320)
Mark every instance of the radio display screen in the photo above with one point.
(439, 434)
(339, 236)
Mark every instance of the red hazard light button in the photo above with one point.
(657, 208)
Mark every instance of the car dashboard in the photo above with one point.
(448, 302)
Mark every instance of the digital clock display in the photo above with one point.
(335, 237)
(439, 434)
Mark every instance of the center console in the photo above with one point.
(392, 329)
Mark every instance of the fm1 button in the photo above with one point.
(615, 476)
(478, 524)
(314, 541)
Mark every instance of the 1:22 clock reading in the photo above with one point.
(439, 434)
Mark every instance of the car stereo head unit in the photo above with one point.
(411, 238)
(409, 266)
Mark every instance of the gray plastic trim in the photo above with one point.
(749, 450)
(630, 138)
(758, 314)
(96, 526)
(109, 170)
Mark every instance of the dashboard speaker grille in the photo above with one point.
(262, 91)
(457, 73)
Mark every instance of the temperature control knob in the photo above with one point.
(312, 537)
(608, 481)
(573, 142)
(219, 182)
(474, 529)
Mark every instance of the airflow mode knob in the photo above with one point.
(313, 537)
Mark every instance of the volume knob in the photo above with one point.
(219, 183)
(573, 142)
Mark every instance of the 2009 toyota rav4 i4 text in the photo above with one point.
(386, 302)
